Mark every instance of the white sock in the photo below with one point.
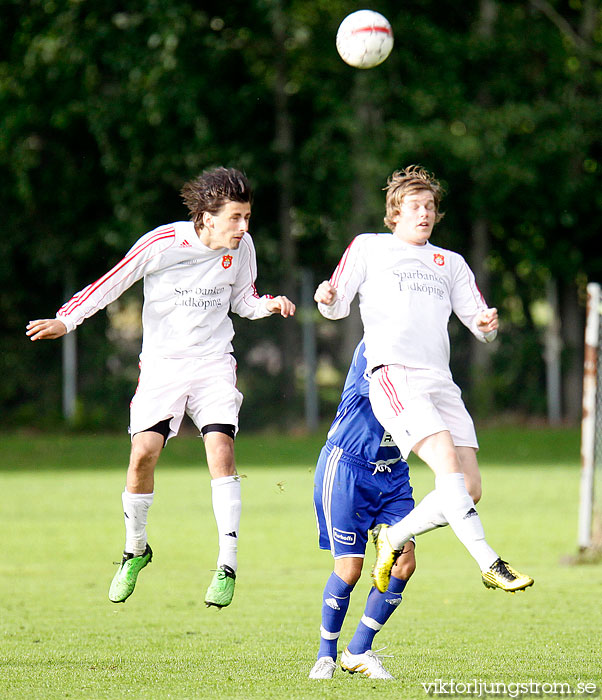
(225, 495)
(458, 508)
(426, 516)
(135, 510)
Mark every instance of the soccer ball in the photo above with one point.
(364, 39)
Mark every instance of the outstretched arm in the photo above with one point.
(45, 329)
(145, 253)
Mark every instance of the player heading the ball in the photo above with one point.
(407, 290)
(194, 273)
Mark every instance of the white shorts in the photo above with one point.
(414, 403)
(204, 388)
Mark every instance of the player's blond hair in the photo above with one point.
(410, 180)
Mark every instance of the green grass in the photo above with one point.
(61, 529)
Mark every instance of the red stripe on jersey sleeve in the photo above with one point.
(336, 275)
(80, 298)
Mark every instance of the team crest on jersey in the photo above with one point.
(226, 261)
(439, 259)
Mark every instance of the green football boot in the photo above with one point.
(221, 588)
(124, 581)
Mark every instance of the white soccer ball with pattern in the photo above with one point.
(364, 39)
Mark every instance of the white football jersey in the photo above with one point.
(406, 296)
(188, 291)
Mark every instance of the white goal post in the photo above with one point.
(590, 500)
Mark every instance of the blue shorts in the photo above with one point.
(350, 499)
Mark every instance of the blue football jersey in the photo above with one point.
(355, 428)
(361, 478)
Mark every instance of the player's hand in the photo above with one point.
(325, 293)
(45, 329)
(281, 304)
(487, 321)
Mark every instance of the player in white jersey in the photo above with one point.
(194, 272)
(407, 290)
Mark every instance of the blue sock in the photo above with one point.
(335, 601)
(379, 608)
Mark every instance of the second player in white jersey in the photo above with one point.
(407, 291)
(406, 296)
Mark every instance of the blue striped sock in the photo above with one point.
(379, 608)
(335, 601)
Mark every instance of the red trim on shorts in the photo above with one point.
(389, 390)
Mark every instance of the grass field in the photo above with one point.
(61, 529)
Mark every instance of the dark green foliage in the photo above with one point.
(107, 108)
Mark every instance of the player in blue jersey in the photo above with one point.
(361, 482)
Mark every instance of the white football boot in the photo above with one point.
(368, 664)
(323, 668)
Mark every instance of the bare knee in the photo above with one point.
(348, 569)
(439, 452)
(144, 455)
(219, 449)
(146, 448)
(222, 454)
(406, 563)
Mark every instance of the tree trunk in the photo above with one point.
(552, 355)
(572, 325)
(283, 146)
(480, 370)
(480, 361)
(573, 316)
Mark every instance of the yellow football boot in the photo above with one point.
(502, 575)
(386, 556)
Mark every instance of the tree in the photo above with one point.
(106, 110)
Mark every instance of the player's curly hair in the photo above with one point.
(211, 190)
(408, 181)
